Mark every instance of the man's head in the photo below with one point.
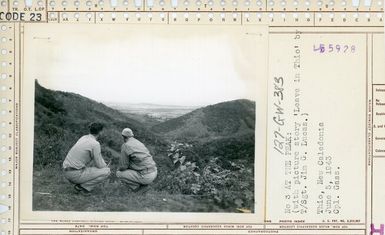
(127, 133)
(95, 128)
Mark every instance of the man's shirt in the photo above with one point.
(136, 156)
(86, 152)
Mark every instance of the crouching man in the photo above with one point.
(137, 168)
(84, 165)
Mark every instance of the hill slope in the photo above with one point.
(62, 117)
(218, 174)
(225, 131)
(232, 118)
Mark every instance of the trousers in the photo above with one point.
(88, 177)
(134, 178)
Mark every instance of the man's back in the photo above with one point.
(136, 146)
(140, 157)
(82, 153)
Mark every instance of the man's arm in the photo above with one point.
(124, 160)
(98, 158)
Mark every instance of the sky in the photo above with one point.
(174, 66)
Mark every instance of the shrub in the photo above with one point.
(229, 188)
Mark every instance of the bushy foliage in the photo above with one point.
(230, 188)
(232, 148)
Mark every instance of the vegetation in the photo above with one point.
(227, 119)
(211, 169)
(230, 185)
(61, 118)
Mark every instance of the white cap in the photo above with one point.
(127, 132)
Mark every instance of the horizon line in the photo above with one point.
(168, 104)
(106, 102)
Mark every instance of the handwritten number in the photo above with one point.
(278, 90)
(280, 151)
(278, 117)
(278, 94)
(321, 48)
(346, 47)
(277, 134)
(278, 80)
(278, 146)
(338, 48)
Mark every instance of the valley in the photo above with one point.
(216, 143)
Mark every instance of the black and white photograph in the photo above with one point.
(137, 122)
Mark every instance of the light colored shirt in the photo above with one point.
(85, 153)
(135, 155)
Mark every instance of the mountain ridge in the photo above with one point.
(230, 118)
(225, 129)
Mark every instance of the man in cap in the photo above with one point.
(137, 168)
(84, 164)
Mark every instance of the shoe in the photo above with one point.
(82, 190)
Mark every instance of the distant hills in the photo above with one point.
(151, 114)
(221, 130)
(232, 118)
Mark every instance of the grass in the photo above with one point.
(52, 192)
(61, 118)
